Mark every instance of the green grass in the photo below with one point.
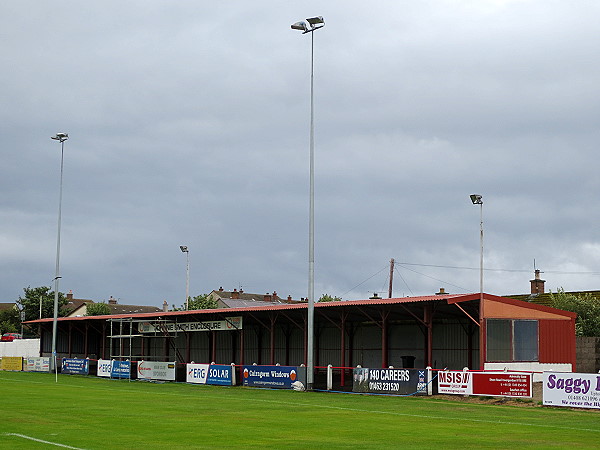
(96, 413)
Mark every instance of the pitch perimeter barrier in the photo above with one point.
(12, 363)
(391, 381)
(571, 390)
(36, 364)
(279, 377)
(75, 366)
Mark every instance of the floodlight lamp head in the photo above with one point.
(184, 248)
(314, 21)
(476, 199)
(300, 26)
(60, 137)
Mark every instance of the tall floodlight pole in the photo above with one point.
(61, 137)
(185, 250)
(314, 23)
(478, 200)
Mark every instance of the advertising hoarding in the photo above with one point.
(228, 324)
(390, 381)
(120, 369)
(209, 374)
(573, 390)
(104, 368)
(491, 384)
(37, 364)
(155, 370)
(282, 377)
(75, 366)
(11, 363)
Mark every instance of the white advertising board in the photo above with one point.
(572, 390)
(154, 370)
(37, 364)
(104, 368)
(228, 324)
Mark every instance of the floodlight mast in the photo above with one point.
(185, 250)
(315, 23)
(477, 199)
(61, 137)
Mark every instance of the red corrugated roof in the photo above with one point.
(449, 298)
(274, 307)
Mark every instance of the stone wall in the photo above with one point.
(588, 354)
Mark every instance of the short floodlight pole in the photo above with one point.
(314, 23)
(61, 137)
(185, 250)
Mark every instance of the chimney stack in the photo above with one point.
(235, 294)
(165, 306)
(70, 295)
(112, 301)
(268, 297)
(537, 284)
(442, 292)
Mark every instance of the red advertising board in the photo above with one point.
(502, 384)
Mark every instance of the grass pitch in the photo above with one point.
(94, 413)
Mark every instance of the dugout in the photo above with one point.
(478, 331)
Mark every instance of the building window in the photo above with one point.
(512, 340)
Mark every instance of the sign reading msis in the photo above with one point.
(230, 323)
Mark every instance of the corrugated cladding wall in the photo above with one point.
(557, 341)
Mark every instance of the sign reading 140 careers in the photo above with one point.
(229, 324)
(390, 381)
(209, 374)
(573, 390)
(493, 384)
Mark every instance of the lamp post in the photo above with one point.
(185, 250)
(314, 23)
(478, 200)
(60, 137)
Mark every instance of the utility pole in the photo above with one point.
(391, 278)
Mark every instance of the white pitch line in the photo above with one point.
(41, 440)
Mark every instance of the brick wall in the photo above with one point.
(588, 354)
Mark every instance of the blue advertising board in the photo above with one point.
(283, 377)
(209, 374)
(120, 369)
(75, 366)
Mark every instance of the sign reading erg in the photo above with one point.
(573, 390)
(209, 374)
(390, 381)
(283, 377)
(75, 366)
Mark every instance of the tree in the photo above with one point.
(329, 298)
(10, 321)
(202, 301)
(30, 303)
(97, 309)
(587, 308)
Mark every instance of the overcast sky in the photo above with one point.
(189, 125)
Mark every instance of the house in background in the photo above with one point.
(539, 295)
(241, 299)
(77, 307)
